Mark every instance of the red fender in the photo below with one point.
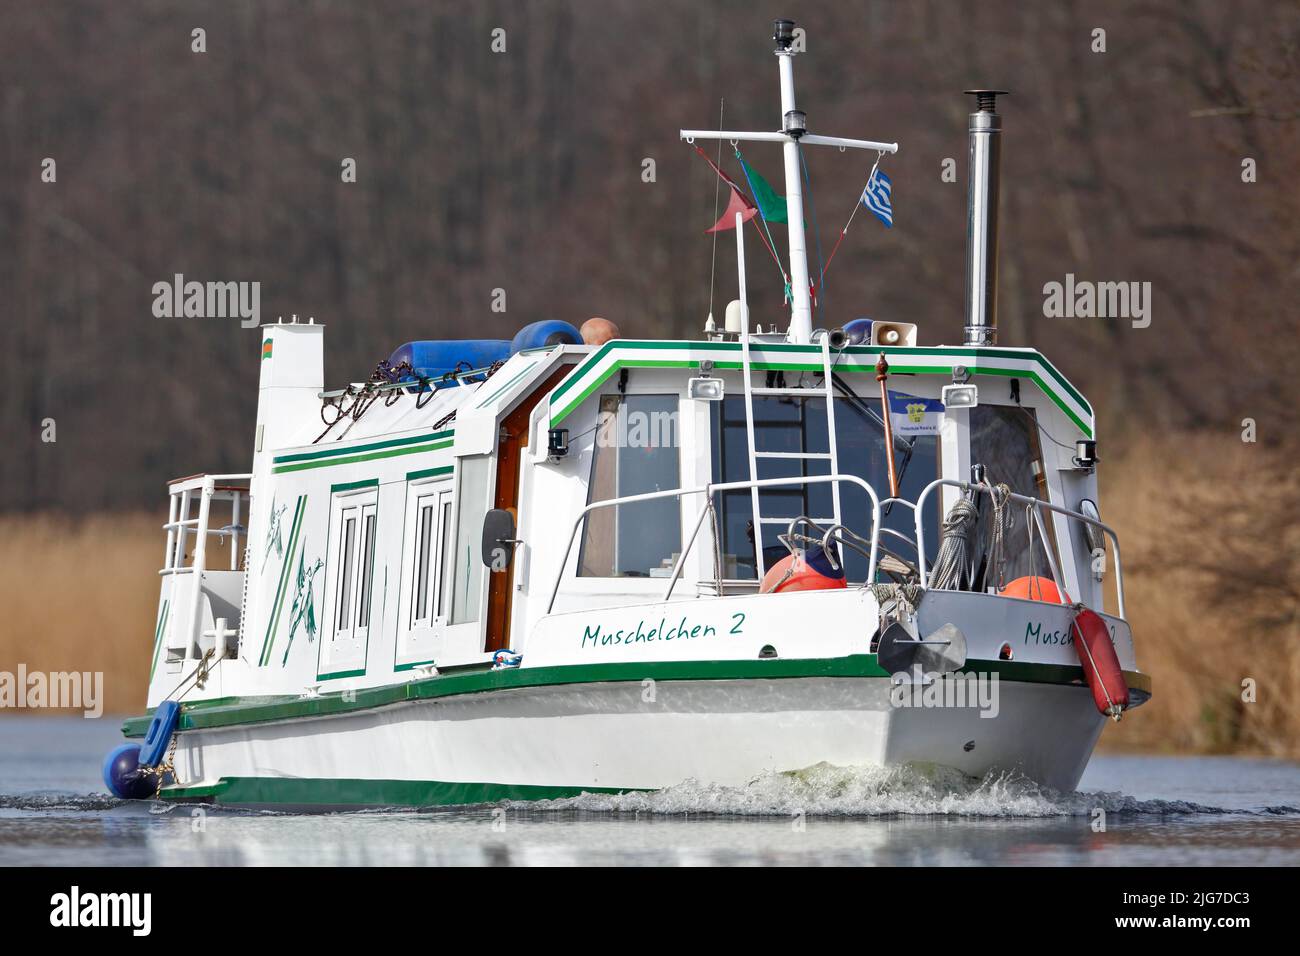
(793, 573)
(1100, 663)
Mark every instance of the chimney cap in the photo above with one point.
(986, 100)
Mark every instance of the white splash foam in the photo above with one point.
(826, 790)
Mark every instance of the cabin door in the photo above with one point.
(511, 446)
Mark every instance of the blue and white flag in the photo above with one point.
(915, 416)
(876, 197)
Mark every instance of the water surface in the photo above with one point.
(1157, 811)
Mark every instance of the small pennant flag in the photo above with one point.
(737, 204)
(772, 206)
(876, 197)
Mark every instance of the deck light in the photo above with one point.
(796, 123)
(783, 33)
(960, 396)
(557, 443)
(705, 389)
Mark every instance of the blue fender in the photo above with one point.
(537, 335)
(124, 777)
(165, 719)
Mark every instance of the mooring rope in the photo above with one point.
(956, 544)
(999, 494)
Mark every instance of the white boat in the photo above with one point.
(578, 562)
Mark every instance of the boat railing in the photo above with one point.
(708, 491)
(203, 489)
(184, 582)
(1035, 507)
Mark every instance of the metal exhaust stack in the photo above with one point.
(985, 170)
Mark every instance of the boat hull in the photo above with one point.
(610, 736)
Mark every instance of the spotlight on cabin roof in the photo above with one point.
(598, 331)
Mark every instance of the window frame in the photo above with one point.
(419, 635)
(351, 565)
(429, 566)
(684, 447)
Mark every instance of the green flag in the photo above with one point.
(770, 204)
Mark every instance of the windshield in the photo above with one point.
(1004, 440)
(793, 424)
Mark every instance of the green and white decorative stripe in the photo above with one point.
(227, 712)
(283, 589)
(614, 356)
(370, 451)
(336, 792)
(504, 388)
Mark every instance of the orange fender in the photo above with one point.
(1035, 589)
(1100, 663)
(792, 573)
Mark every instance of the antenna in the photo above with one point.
(794, 134)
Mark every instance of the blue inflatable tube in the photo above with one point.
(435, 358)
(538, 335)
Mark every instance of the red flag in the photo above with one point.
(739, 202)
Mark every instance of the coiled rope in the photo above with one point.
(897, 601)
(998, 494)
(956, 544)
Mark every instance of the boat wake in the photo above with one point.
(84, 802)
(826, 790)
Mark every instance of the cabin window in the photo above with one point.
(345, 574)
(431, 543)
(636, 452)
(367, 568)
(355, 564)
(793, 424)
(1004, 439)
(474, 486)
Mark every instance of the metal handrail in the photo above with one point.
(1036, 504)
(709, 491)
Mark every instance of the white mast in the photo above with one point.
(793, 131)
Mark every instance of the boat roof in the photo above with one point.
(445, 409)
(619, 354)
(469, 411)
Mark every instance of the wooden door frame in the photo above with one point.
(512, 443)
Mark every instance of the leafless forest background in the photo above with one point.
(522, 170)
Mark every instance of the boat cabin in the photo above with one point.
(630, 473)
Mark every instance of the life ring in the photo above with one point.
(1033, 588)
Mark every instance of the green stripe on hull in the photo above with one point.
(328, 792)
(229, 712)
